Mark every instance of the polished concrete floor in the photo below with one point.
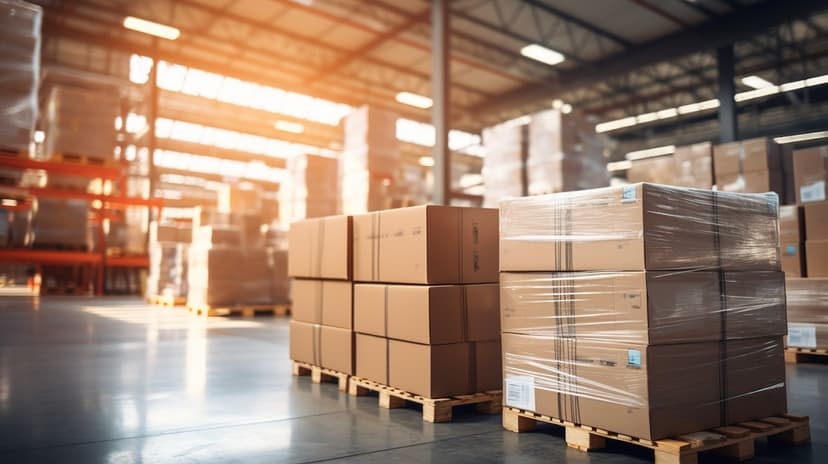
(114, 381)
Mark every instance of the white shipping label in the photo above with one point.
(520, 392)
(812, 192)
(802, 335)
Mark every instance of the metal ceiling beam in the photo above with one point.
(720, 31)
(543, 6)
(216, 152)
(658, 11)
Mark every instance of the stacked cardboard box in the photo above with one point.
(689, 166)
(20, 66)
(370, 160)
(61, 224)
(564, 153)
(73, 114)
(816, 238)
(310, 189)
(646, 310)
(319, 260)
(753, 165)
(807, 312)
(169, 245)
(810, 172)
(504, 166)
(792, 241)
(426, 299)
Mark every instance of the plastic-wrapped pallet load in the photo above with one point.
(807, 312)
(310, 189)
(645, 310)
(73, 113)
(168, 251)
(61, 224)
(504, 166)
(20, 40)
(753, 165)
(689, 166)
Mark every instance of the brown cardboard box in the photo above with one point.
(763, 181)
(426, 245)
(433, 371)
(489, 367)
(790, 224)
(810, 171)
(745, 156)
(816, 258)
(372, 358)
(755, 373)
(748, 231)
(754, 304)
(726, 158)
(633, 307)
(792, 255)
(644, 391)
(437, 314)
(807, 312)
(320, 248)
(328, 347)
(633, 227)
(327, 302)
(816, 221)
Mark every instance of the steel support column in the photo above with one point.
(152, 143)
(728, 129)
(440, 96)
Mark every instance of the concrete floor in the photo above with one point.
(113, 381)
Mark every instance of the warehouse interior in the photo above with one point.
(422, 231)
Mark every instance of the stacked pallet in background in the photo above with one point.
(319, 260)
(807, 317)
(72, 114)
(642, 310)
(689, 166)
(504, 165)
(61, 224)
(565, 153)
(752, 166)
(169, 245)
(310, 189)
(810, 174)
(20, 66)
(426, 303)
(370, 160)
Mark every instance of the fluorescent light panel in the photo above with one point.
(426, 161)
(651, 152)
(756, 82)
(802, 137)
(151, 28)
(412, 99)
(287, 126)
(542, 54)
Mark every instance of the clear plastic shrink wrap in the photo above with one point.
(807, 312)
(19, 72)
(503, 166)
(672, 323)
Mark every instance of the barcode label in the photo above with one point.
(802, 335)
(628, 194)
(812, 192)
(520, 392)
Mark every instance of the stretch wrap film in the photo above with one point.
(19, 73)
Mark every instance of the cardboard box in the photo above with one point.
(426, 245)
(754, 304)
(217, 235)
(438, 314)
(810, 171)
(807, 300)
(816, 258)
(745, 156)
(320, 248)
(632, 227)
(755, 379)
(489, 366)
(816, 220)
(372, 358)
(751, 182)
(634, 307)
(791, 225)
(328, 347)
(792, 255)
(650, 392)
(327, 302)
(807, 335)
(747, 226)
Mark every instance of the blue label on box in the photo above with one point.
(790, 250)
(633, 358)
(628, 194)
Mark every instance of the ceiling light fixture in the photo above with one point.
(651, 152)
(151, 28)
(542, 54)
(287, 126)
(756, 82)
(802, 137)
(415, 100)
(426, 161)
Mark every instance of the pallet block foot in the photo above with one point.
(434, 413)
(514, 422)
(356, 390)
(740, 451)
(583, 440)
(790, 357)
(668, 458)
(795, 436)
(391, 402)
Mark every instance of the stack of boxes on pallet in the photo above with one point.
(504, 166)
(319, 260)
(20, 36)
(689, 166)
(370, 160)
(169, 245)
(309, 190)
(754, 165)
(73, 114)
(645, 310)
(804, 247)
(426, 299)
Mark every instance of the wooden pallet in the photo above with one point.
(279, 310)
(735, 441)
(82, 159)
(434, 409)
(12, 153)
(167, 300)
(798, 355)
(321, 374)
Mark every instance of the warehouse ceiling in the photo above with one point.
(622, 57)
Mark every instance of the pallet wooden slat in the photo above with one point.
(798, 355)
(278, 310)
(167, 300)
(434, 409)
(320, 374)
(736, 441)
